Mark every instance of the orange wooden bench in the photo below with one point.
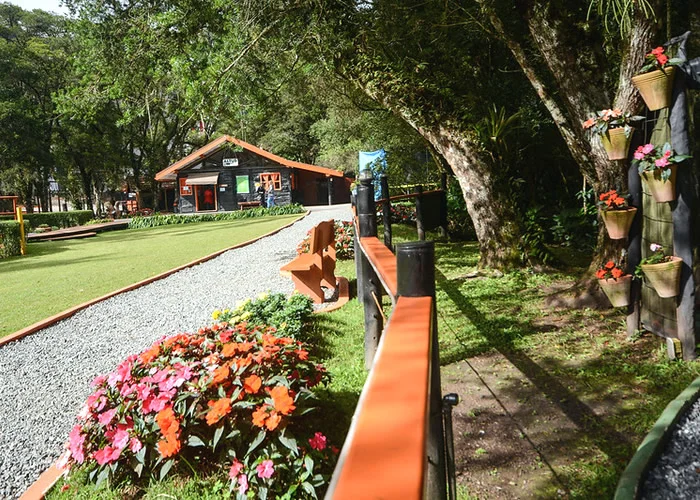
(310, 271)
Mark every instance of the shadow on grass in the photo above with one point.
(605, 437)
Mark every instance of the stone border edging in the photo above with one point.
(628, 488)
(50, 476)
(40, 325)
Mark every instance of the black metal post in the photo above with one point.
(449, 401)
(634, 246)
(419, 213)
(330, 190)
(443, 205)
(415, 275)
(369, 289)
(386, 211)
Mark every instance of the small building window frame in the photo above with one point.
(271, 177)
(185, 189)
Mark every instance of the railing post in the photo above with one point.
(22, 234)
(419, 213)
(415, 275)
(330, 190)
(386, 211)
(369, 289)
(443, 205)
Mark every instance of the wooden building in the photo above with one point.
(221, 176)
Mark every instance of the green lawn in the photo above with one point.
(55, 276)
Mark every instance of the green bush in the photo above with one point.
(58, 219)
(166, 220)
(10, 239)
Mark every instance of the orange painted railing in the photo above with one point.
(383, 261)
(384, 455)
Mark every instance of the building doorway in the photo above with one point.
(205, 197)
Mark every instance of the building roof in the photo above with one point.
(170, 173)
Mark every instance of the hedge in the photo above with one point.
(10, 243)
(165, 220)
(59, 219)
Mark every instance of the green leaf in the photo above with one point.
(141, 455)
(256, 442)
(308, 488)
(104, 474)
(262, 493)
(195, 441)
(289, 443)
(217, 436)
(166, 468)
(138, 470)
(308, 463)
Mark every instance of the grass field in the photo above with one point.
(55, 276)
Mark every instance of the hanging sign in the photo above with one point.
(230, 162)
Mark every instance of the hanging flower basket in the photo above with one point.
(656, 87)
(617, 290)
(616, 142)
(665, 277)
(618, 222)
(662, 190)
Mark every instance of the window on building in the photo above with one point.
(271, 177)
(185, 189)
(242, 184)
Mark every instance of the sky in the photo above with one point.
(48, 5)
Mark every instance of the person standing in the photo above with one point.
(261, 194)
(209, 199)
(270, 195)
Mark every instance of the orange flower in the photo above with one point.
(283, 402)
(609, 265)
(273, 421)
(617, 272)
(600, 274)
(150, 354)
(260, 415)
(302, 354)
(169, 446)
(220, 374)
(245, 346)
(167, 422)
(219, 410)
(268, 339)
(229, 350)
(252, 384)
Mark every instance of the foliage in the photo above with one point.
(165, 220)
(610, 200)
(58, 219)
(533, 248)
(344, 240)
(401, 213)
(288, 315)
(10, 238)
(648, 158)
(609, 270)
(658, 256)
(620, 12)
(611, 119)
(658, 60)
(231, 397)
(459, 222)
(574, 228)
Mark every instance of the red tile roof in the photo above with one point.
(168, 174)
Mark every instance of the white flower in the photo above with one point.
(655, 247)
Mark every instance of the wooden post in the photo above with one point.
(368, 284)
(22, 235)
(443, 205)
(386, 211)
(415, 275)
(419, 213)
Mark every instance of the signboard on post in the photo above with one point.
(230, 162)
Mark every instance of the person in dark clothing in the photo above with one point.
(261, 193)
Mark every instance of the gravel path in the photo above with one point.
(676, 472)
(44, 377)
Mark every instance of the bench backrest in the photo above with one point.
(322, 237)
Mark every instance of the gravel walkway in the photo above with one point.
(676, 472)
(44, 377)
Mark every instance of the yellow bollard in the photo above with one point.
(23, 240)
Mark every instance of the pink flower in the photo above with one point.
(265, 469)
(120, 439)
(647, 148)
(107, 455)
(75, 443)
(157, 403)
(318, 442)
(135, 445)
(143, 391)
(638, 155)
(662, 162)
(236, 468)
(106, 417)
(99, 380)
(95, 400)
(243, 484)
(62, 461)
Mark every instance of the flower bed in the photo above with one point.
(401, 213)
(229, 399)
(344, 240)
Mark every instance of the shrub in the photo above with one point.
(289, 315)
(344, 240)
(10, 239)
(58, 219)
(401, 213)
(229, 399)
(165, 220)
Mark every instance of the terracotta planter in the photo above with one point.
(617, 290)
(616, 143)
(664, 277)
(660, 189)
(618, 222)
(656, 87)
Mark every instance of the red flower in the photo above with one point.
(617, 273)
(600, 274)
(610, 264)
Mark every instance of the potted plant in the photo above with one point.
(615, 283)
(616, 214)
(655, 79)
(658, 169)
(662, 271)
(615, 131)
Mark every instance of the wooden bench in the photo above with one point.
(242, 205)
(310, 271)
